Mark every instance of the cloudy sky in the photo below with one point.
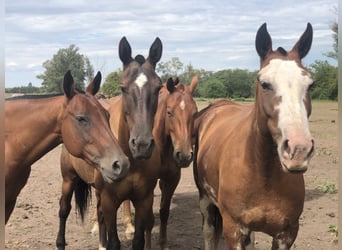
(209, 34)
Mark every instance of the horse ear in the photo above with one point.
(68, 85)
(94, 86)
(191, 88)
(125, 51)
(303, 45)
(170, 85)
(176, 81)
(155, 52)
(263, 41)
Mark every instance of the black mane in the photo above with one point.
(140, 59)
(282, 51)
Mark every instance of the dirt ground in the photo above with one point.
(34, 222)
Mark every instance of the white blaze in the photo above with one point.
(290, 83)
(182, 105)
(141, 80)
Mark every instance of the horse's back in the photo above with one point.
(220, 120)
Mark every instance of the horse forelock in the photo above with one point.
(282, 51)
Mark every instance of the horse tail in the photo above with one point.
(82, 197)
(217, 225)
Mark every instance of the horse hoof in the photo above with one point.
(95, 230)
(129, 232)
(101, 247)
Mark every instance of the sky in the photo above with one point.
(208, 34)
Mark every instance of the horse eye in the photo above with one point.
(169, 113)
(311, 86)
(83, 120)
(124, 89)
(266, 86)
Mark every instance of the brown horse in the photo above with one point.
(132, 118)
(250, 160)
(173, 131)
(35, 125)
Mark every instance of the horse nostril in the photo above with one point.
(152, 143)
(133, 142)
(178, 155)
(116, 166)
(312, 148)
(191, 156)
(286, 146)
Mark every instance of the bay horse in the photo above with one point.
(34, 125)
(131, 120)
(173, 132)
(249, 160)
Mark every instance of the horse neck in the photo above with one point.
(159, 126)
(261, 146)
(43, 117)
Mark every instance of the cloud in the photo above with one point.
(210, 34)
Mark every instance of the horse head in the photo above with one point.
(86, 132)
(179, 120)
(283, 99)
(140, 87)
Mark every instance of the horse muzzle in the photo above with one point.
(141, 148)
(296, 158)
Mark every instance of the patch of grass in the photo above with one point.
(327, 188)
(333, 230)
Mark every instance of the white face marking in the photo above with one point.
(182, 105)
(289, 82)
(141, 80)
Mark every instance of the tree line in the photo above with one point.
(228, 83)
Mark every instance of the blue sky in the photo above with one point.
(211, 35)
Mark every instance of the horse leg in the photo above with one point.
(64, 210)
(236, 236)
(13, 186)
(127, 219)
(107, 213)
(100, 223)
(284, 240)
(95, 229)
(208, 222)
(143, 221)
(167, 188)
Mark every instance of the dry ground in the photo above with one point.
(34, 222)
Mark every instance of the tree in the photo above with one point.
(334, 54)
(325, 78)
(169, 68)
(111, 86)
(213, 88)
(64, 60)
(89, 70)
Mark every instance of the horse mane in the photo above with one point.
(140, 59)
(282, 51)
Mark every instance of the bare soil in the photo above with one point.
(34, 222)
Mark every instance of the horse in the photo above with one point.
(174, 131)
(250, 159)
(34, 125)
(131, 120)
